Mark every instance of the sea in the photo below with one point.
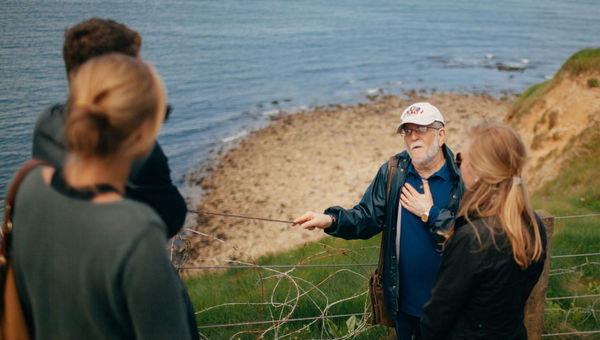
(230, 65)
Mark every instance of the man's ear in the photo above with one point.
(441, 137)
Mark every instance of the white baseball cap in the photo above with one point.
(421, 114)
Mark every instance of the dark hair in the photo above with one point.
(95, 37)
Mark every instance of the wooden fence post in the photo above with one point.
(534, 308)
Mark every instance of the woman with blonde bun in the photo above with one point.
(494, 254)
(90, 263)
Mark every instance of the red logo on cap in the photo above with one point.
(414, 110)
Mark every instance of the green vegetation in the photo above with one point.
(272, 294)
(584, 61)
(593, 82)
(576, 191)
(524, 103)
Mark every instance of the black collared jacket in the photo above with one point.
(479, 291)
(371, 215)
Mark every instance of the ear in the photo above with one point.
(441, 136)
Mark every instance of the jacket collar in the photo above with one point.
(404, 159)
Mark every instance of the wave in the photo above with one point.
(487, 61)
(239, 135)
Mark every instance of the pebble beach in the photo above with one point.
(309, 161)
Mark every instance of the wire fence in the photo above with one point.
(278, 273)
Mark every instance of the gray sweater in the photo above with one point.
(95, 271)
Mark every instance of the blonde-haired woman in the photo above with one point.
(494, 254)
(89, 263)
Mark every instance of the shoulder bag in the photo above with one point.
(12, 322)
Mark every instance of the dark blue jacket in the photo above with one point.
(369, 217)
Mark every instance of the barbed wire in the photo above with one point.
(575, 216)
(279, 310)
(256, 323)
(573, 255)
(340, 264)
(562, 271)
(570, 333)
(283, 266)
(572, 297)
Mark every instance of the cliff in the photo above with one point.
(558, 117)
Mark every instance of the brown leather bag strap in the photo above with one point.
(392, 166)
(9, 206)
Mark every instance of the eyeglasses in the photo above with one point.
(419, 130)
(168, 110)
(458, 160)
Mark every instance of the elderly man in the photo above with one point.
(424, 198)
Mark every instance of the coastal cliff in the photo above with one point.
(560, 117)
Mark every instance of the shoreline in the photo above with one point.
(310, 160)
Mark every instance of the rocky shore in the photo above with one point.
(310, 161)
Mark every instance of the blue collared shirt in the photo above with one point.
(419, 255)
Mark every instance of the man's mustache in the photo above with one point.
(417, 144)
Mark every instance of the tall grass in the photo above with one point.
(576, 191)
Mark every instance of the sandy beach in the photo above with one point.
(309, 161)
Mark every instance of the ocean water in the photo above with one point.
(230, 64)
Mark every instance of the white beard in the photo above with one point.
(430, 153)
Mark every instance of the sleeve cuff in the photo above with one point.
(334, 220)
(434, 212)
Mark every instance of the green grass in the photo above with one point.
(524, 103)
(586, 60)
(576, 191)
(298, 293)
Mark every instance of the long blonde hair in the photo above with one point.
(497, 155)
(110, 97)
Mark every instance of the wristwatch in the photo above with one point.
(425, 217)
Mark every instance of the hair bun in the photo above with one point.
(110, 98)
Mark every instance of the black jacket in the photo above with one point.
(369, 217)
(479, 291)
(149, 180)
